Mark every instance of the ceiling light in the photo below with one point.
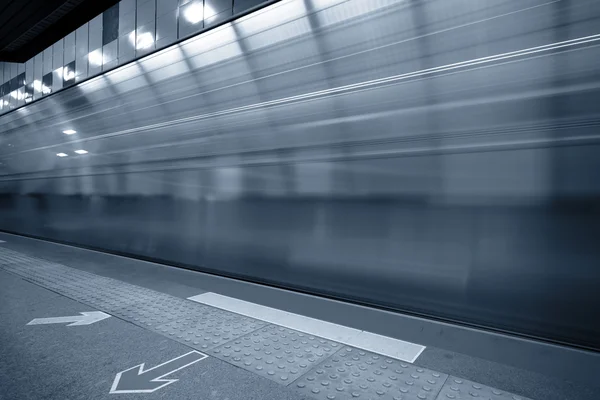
(37, 85)
(193, 13)
(81, 151)
(144, 41)
(95, 58)
(17, 94)
(62, 154)
(68, 74)
(69, 132)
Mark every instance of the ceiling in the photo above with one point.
(27, 27)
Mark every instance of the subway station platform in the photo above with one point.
(79, 324)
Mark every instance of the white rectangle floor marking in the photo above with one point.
(387, 346)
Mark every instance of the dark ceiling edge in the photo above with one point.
(36, 29)
(60, 28)
(226, 21)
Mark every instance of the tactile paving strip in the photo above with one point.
(9, 257)
(31, 268)
(194, 324)
(353, 373)
(41, 271)
(110, 295)
(64, 280)
(55, 283)
(103, 293)
(462, 389)
(209, 329)
(277, 353)
(157, 311)
(49, 276)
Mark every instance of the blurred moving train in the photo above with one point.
(435, 157)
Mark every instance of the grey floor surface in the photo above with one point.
(80, 362)
(56, 361)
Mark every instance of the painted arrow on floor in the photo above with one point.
(136, 380)
(86, 318)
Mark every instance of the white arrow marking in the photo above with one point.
(136, 380)
(86, 318)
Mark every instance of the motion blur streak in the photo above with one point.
(437, 157)
(362, 85)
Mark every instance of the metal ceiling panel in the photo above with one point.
(29, 26)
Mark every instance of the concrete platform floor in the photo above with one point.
(57, 361)
(190, 350)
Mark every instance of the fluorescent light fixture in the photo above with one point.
(37, 85)
(62, 154)
(69, 131)
(17, 94)
(95, 58)
(68, 74)
(144, 41)
(81, 151)
(193, 13)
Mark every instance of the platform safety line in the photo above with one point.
(394, 348)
